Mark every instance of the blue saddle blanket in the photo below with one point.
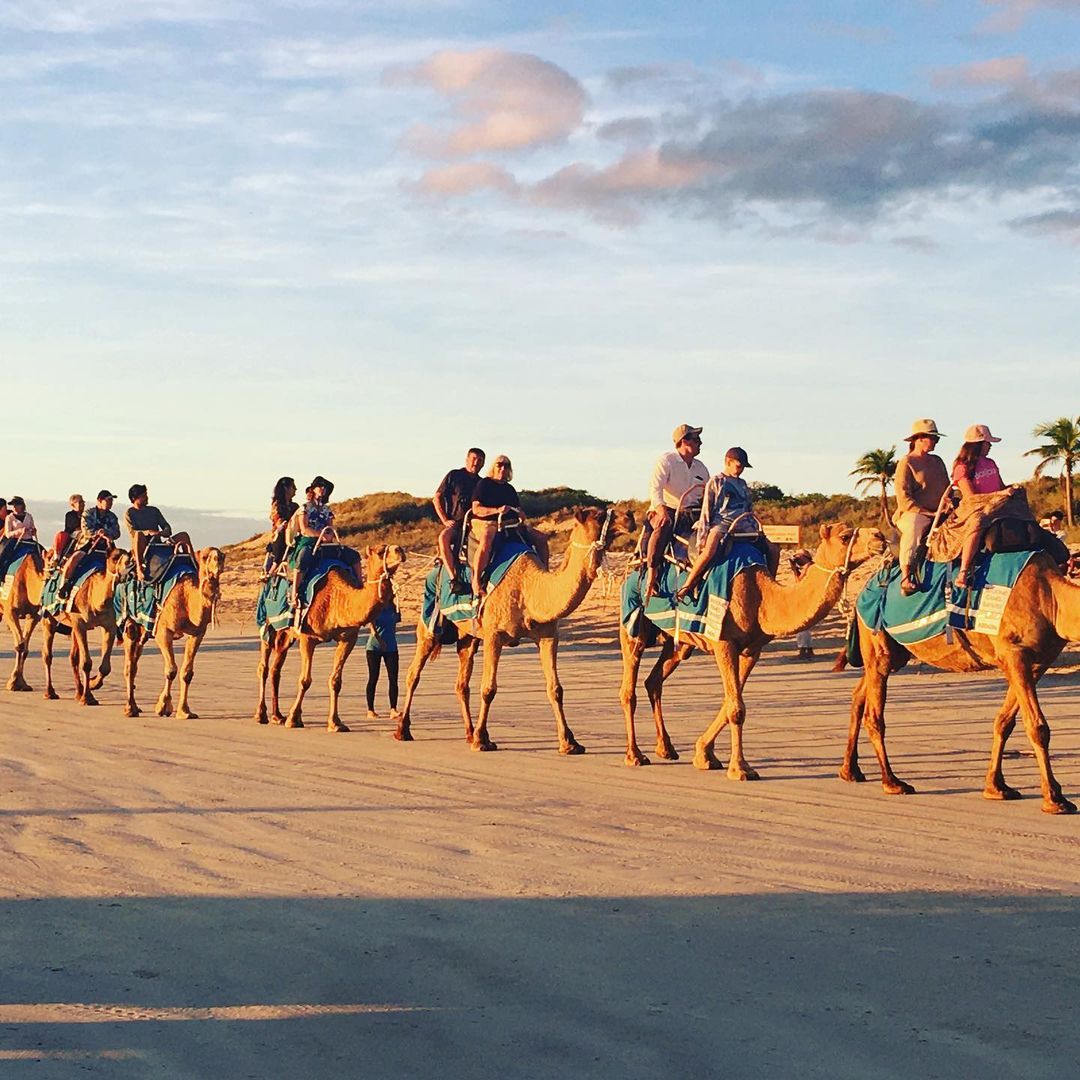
(926, 613)
(21, 550)
(140, 601)
(274, 611)
(93, 562)
(701, 614)
(461, 607)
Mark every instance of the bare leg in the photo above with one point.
(341, 654)
(187, 673)
(549, 661)
(165, 640)
(307, 655)
(481, 555)
(493, 648)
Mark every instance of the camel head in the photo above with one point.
(117, 563)
(843, 547)
(381, 561)
(211, 562)
(594, 528)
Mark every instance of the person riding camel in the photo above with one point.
(495, 497)
(974, 472)
(64, 540)
(282, 508)
(725, 502)
(146, 524)
(921, 481)
(99, 525)
(675, 491)
(18, 526)
(452, 500)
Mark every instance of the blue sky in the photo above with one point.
(245, 239)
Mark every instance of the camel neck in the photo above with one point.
(791, 608)
(552, 594)
(1066, 614)
(358, 605)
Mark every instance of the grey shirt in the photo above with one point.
(148, 519)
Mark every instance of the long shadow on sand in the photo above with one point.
(794, 985)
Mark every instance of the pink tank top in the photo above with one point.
(984, 479)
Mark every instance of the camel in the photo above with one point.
(338, 611)
(759, 610)
(22, 612)
(91, 607)
(527, 603)
(1042, 614)
(187, 610)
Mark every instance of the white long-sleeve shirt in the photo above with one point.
(21, 530)
(672, 478)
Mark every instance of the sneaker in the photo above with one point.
(372, 714)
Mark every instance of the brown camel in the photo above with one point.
(91, 607)
(759, 610)
(1042, 614)
(187, 610)
(527, 603)
(337, 613)
(22, 612)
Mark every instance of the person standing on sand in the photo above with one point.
(921, 481)
(452, 500)
(800, 561)
(382, 649)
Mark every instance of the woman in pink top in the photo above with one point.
(974, 472)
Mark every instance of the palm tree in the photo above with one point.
(876, 468)
(1063, 444)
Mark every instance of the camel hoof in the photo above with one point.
(634, 758)
(163, 710)
(261, 718)
(707, 762)
(89, 700)
(483, 746)
(403, 735)
(188, 715)
(97, 682)
(667, 752)
(853, 775)
(571, 748)
(901, 787)
(1059, 806)
(132, 710)
(1001, 794)
(294, 722)
(742, 774)
(337, 726)
(51, 695)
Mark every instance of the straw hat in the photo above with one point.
(921, 428)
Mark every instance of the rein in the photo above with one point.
(845, 569)
(601, 541)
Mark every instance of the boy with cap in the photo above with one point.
(921, 481)
(678, 478)
(726, 500)
(98, 523)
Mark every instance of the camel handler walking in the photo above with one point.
(678, 480)
(921, 482)
(452, 500)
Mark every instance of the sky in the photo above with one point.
(242, 240)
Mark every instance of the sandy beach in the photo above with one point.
(216, 898)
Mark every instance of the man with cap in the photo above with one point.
(921, 481)
(725, 501)
(678, 478)
(99, 524)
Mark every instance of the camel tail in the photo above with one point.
(841, 661)
(436, 651)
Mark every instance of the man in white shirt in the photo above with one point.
(678, 480)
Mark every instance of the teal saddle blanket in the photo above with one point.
(93, 562)
(938, 603)
(702, 613)
(461, 607)
(22, 549)
(140, 601)
(275, 612)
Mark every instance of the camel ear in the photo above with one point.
(825, 530)
(581, 515)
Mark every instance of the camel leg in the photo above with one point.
(632, 651)
(738, 767)
(108, 641)
(187, 673)
(425, 646)
(876, 681)
(466, 654)
(48, 634)
(1004, 722)
(279, 650)
(705, 748)
(1022, 679)
(295, 718)
(261, 716)
(164, 705)
(21, 640)
(850, 769)
(82, 663)
(670, 658)
(493, 648)
(549, 661)
(132, 636)
(341, 654)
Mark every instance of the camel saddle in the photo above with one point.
(1006, 521)
(93, 562)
